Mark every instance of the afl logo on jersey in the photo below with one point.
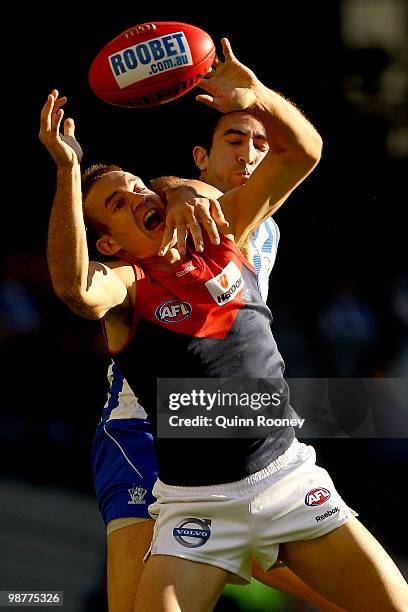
(173, 311)
(317, 497)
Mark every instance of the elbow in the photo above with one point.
(308, 156)
(312, 151)
(317, 149)
(74, 301)
(62, 292)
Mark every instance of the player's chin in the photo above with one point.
(236, 180)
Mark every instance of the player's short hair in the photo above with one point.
(205, 128)
(95, 229)
(93, 173)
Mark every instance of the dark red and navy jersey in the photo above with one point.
(204, 318)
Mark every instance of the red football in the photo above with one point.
(151, 64)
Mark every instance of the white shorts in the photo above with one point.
(225, 524)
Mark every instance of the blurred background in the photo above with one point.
(338, 293)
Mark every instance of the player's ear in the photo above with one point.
(107, 245)
(201, 158)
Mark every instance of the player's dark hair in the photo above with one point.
(205, 127)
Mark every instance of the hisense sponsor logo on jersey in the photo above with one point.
(226, 285)
(173, 311)
(317, 497)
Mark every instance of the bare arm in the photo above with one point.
(295, 146)
(89, 288)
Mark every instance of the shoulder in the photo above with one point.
(127, 272)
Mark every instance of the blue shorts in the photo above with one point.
(124, 468)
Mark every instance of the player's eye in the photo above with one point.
(118, 205)
(234, 142)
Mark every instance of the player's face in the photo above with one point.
(239, 145)
(133, 214)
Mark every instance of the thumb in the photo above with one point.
(69, 127)
(208, 100)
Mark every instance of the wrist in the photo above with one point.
(262, 97)
(174, 193)
(68, 170)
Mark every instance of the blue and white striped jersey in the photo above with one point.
(265, 241)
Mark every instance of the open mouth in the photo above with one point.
(152, 219)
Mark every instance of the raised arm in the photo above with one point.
(295, 146)
(89, 288)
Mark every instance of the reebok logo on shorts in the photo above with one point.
(137, 495)
(192, 532)
(321, 517)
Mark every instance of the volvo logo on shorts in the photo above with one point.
(317, 497)
(173, 311)
(192, 532)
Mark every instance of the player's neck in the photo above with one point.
(165, 263)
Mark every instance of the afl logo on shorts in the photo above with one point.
(173, 311)
(192, 532)
(317, 497)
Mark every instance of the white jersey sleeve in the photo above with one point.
(265, 240)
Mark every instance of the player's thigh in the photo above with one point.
(126, 548)
(350, 568)
(171, 584)
(282, 578)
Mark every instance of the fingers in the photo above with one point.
(50, 111)
(197, 236)
(211, 230)
(195, 230)
(56, 120)
(59, 102)
(181, 238)
(45, 120)
(178, 235)
(210, 215)
(226, 48)
(167, 241)
(217, 214)
(69, 127)
(206, 99)
(202, 213)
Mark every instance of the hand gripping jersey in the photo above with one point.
(204, 318)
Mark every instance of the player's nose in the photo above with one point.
(247, 153)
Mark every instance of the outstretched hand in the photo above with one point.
(63, 148)
(231, 86)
